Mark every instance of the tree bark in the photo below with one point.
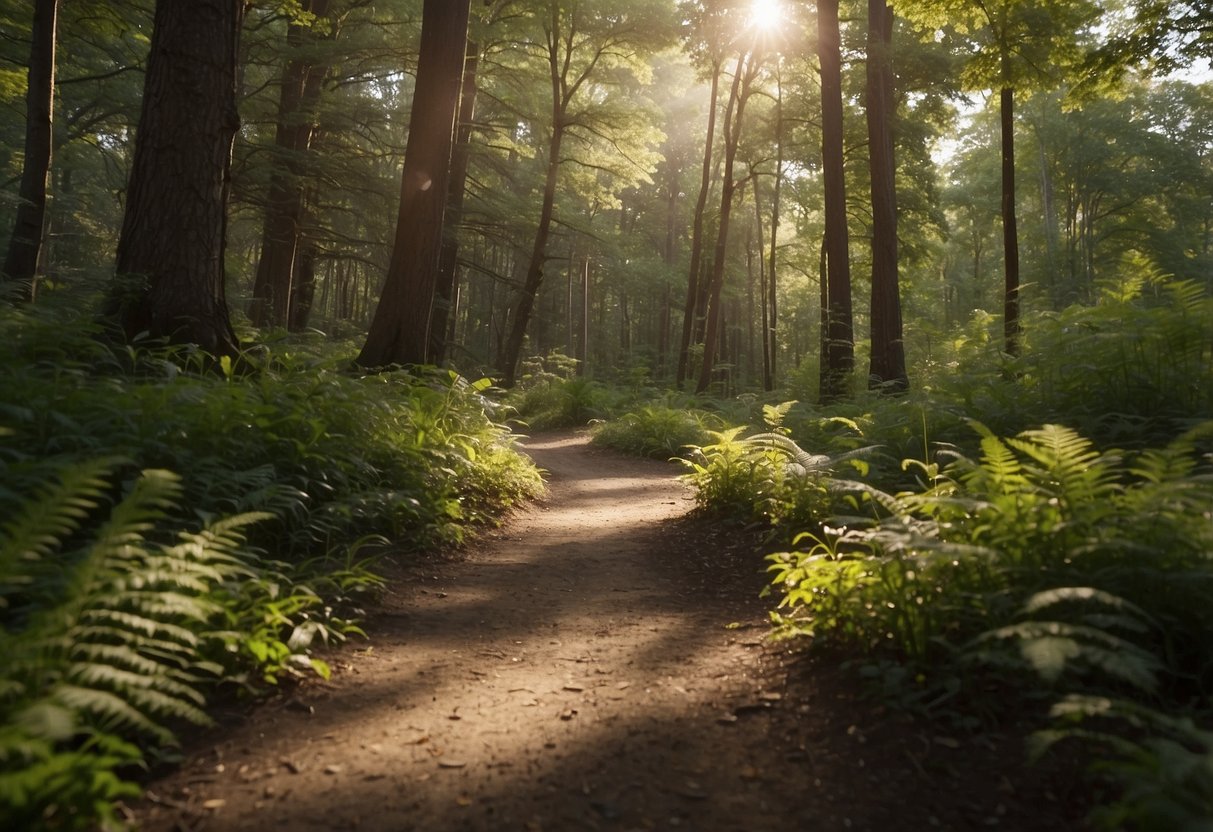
(399, 332)
(839, 358)
(771, 307)
(303, 291)
(742, 78)
(170, 251)
(25, 244)
(1010, 230)
(887, 367)
(690, 308)
(285, 205)
(448, 258)
(525, 302)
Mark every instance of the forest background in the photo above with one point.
(892, 251)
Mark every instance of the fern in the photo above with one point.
(1161, 762)
(112, 650)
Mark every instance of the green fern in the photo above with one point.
(1163, 763)
(111, 651)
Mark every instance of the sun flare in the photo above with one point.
(766, 15)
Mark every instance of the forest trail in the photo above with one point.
(596, 663)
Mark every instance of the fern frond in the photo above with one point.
(121, 620)
(53, 514)
(113, 710)
(1050, 647)
(1084, 594)
(999, 461)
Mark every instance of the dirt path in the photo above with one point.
(595, 664)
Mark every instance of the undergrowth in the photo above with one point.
(656, 430)
(167, 532)
(1069, 563)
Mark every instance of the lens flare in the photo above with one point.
(766, 15)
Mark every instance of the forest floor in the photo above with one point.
(598, 662)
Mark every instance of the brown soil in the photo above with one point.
(598, 663)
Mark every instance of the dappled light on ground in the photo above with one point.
(573, 672)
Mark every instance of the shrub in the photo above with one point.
(656, 431)
(192, 529)
(1088, 569)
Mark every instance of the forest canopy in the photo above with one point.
(621, 177)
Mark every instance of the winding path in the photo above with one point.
(595, 664)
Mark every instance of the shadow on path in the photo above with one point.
(595, 664)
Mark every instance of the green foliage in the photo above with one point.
(129, 592)
(656, 430)
(549, 395)
(768, 477)
(1134, 368)
(103, 632)
(1162, 763)
(329, 454)
(1087, 569)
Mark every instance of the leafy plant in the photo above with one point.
(1088, 569)
(1162, 763)
(103, 635)
(125, 597)
(655, 430)
(768, 477)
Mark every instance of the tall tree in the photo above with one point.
(770, 307)
(21, 261)
(744, 75)
(400, 330)
(887, 368)
(690, 307)
(447, 287)
(586, 47)
(1020, 45)
(838, 339)
(170, 252)
(299, 91)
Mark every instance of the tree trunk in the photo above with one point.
(669, 250)
(400, 329)
(583, 343)
(732, 125)
(304, 292)
(1010, 231)
(21, 262)
(887, 368)
(693, 273)
(448, 259)
(285, 205)
(525, 302)
(771, 307)
(839, 358)
(170, 251)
